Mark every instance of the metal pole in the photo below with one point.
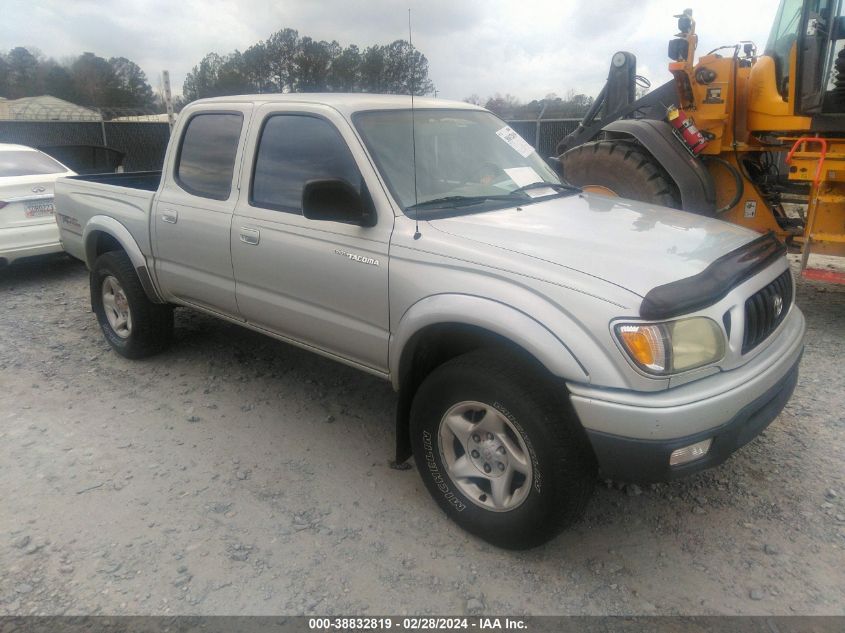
(168, 99)
(103, 127)
(537, 130)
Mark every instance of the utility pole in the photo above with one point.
(168, 99)
(539, 122)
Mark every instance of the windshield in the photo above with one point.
(466, 160)
(25, 163)
(783, 36)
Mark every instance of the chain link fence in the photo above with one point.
(142, 136)
(544, 134)
(54, 126)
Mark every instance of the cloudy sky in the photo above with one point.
(528, 48)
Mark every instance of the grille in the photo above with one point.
(761, 314)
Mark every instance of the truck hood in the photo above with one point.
(633, 245)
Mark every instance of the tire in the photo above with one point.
(537, 428)
(624, 168)
(147, 328)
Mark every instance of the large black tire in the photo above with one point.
(563, 464)
(151, 324)
(622, 167)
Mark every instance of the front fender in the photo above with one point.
(499, 318)
(105, 224)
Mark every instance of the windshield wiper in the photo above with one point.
(454, 202)
(457, 201)
(547, 185)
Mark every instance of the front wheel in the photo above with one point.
(133, 325)
(500, 450)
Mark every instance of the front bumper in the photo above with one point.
(633, 434)
(630, 459)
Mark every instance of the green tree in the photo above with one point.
(232, 77)
(202, 81)
(256, 68)
(88, 79)
(4, 76)
(216, 75)
(344, 74)
(131, 88)
(406, 69)
(504, 106)
(57, 81)
(372, 70)
(311, 65)
(22, 73)
(287, 62)
(282, 48)
(94, 80)
(395, 68)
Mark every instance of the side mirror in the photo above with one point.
(335, 200)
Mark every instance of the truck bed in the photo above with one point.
(146, 180)
(85, 202)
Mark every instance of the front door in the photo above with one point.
(322, 284)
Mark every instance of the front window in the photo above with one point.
(466, 160)
(292, 150)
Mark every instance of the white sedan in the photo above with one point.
(27, 223)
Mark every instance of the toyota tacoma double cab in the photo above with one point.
(537, 335)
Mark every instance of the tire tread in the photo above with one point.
(642, 176)
(152, 323)
(571, 477)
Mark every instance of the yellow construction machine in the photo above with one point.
(739, 135)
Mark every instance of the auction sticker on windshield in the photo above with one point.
(519, 144)
(523, 176)
(39, 209)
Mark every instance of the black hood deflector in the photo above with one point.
(712, 283)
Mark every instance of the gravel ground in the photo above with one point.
(234, 474)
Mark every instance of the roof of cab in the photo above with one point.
(346, 103)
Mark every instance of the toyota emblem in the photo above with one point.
(777, 303)
(38, 189)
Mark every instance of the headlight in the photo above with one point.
(673, 346)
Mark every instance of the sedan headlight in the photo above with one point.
(672, 346)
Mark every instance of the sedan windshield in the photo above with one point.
(26, 163)
(466, 161)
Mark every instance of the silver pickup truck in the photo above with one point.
(536, 334)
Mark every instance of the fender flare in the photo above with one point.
(488, 314)
(116, 230)
(698, 192)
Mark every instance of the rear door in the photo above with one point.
(193, 212)
(323, 284)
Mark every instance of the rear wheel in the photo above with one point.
(132, 324)
(619, 168)
(499, 449)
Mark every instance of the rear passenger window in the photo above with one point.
(207, 156)
(292, 150)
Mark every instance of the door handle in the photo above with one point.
(171, 216)
(250, 236)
